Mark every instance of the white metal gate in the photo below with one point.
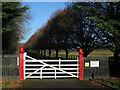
(34, 68)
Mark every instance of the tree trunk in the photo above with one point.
(116, 56)
(38, 51)
(41, 52)
(66, 53)
(116, 63)
(49, 52)
(85, 54)
(56, 53)
(44, 52)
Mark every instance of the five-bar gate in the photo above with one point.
(33, 68)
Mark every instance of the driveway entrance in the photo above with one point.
(60, 83)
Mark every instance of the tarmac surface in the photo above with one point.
(62, 84)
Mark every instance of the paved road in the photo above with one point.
(61, 83)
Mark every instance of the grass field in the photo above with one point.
(101, 53)
(95, 53)
(73, 54)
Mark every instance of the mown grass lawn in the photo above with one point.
(74, 54)
(95, 53)
(101, 53)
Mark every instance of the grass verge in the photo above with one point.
(109, 82)
(7, 84)
(11, 83)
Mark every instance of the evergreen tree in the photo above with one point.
(14, 16)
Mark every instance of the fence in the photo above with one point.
(114, 65)
(10, 66)
(98, 71)
(107, 67)
(73, 57)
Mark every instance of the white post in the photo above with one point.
(59, 62)
(17, 61)
(41, 74)
(55, 73)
